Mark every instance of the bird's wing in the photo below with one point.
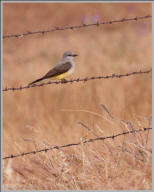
(59, 69)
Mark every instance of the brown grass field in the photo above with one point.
(42, 117)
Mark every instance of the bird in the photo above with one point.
(62, 69)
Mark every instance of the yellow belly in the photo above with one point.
(62, 76)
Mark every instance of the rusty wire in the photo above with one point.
(76, 144)
(79, 80)
(18, 35)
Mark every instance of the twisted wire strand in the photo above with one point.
(18, 35)
(76, 144)
(79, 80)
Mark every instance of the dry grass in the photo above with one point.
(38, 117)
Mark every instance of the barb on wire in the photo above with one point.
(75, 144)
(79, 80)
(76, 26)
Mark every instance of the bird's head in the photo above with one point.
(69, 55)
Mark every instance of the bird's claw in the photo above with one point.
(63, 81)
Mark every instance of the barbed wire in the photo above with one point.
(76, 26)
(79, 80)
(75, 144)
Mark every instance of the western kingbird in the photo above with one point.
(62, 69)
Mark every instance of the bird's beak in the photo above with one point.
(74, 55)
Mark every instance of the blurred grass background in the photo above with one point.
(51, 113)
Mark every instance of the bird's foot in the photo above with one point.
(63, 81)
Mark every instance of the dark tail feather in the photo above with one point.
(36, 81)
